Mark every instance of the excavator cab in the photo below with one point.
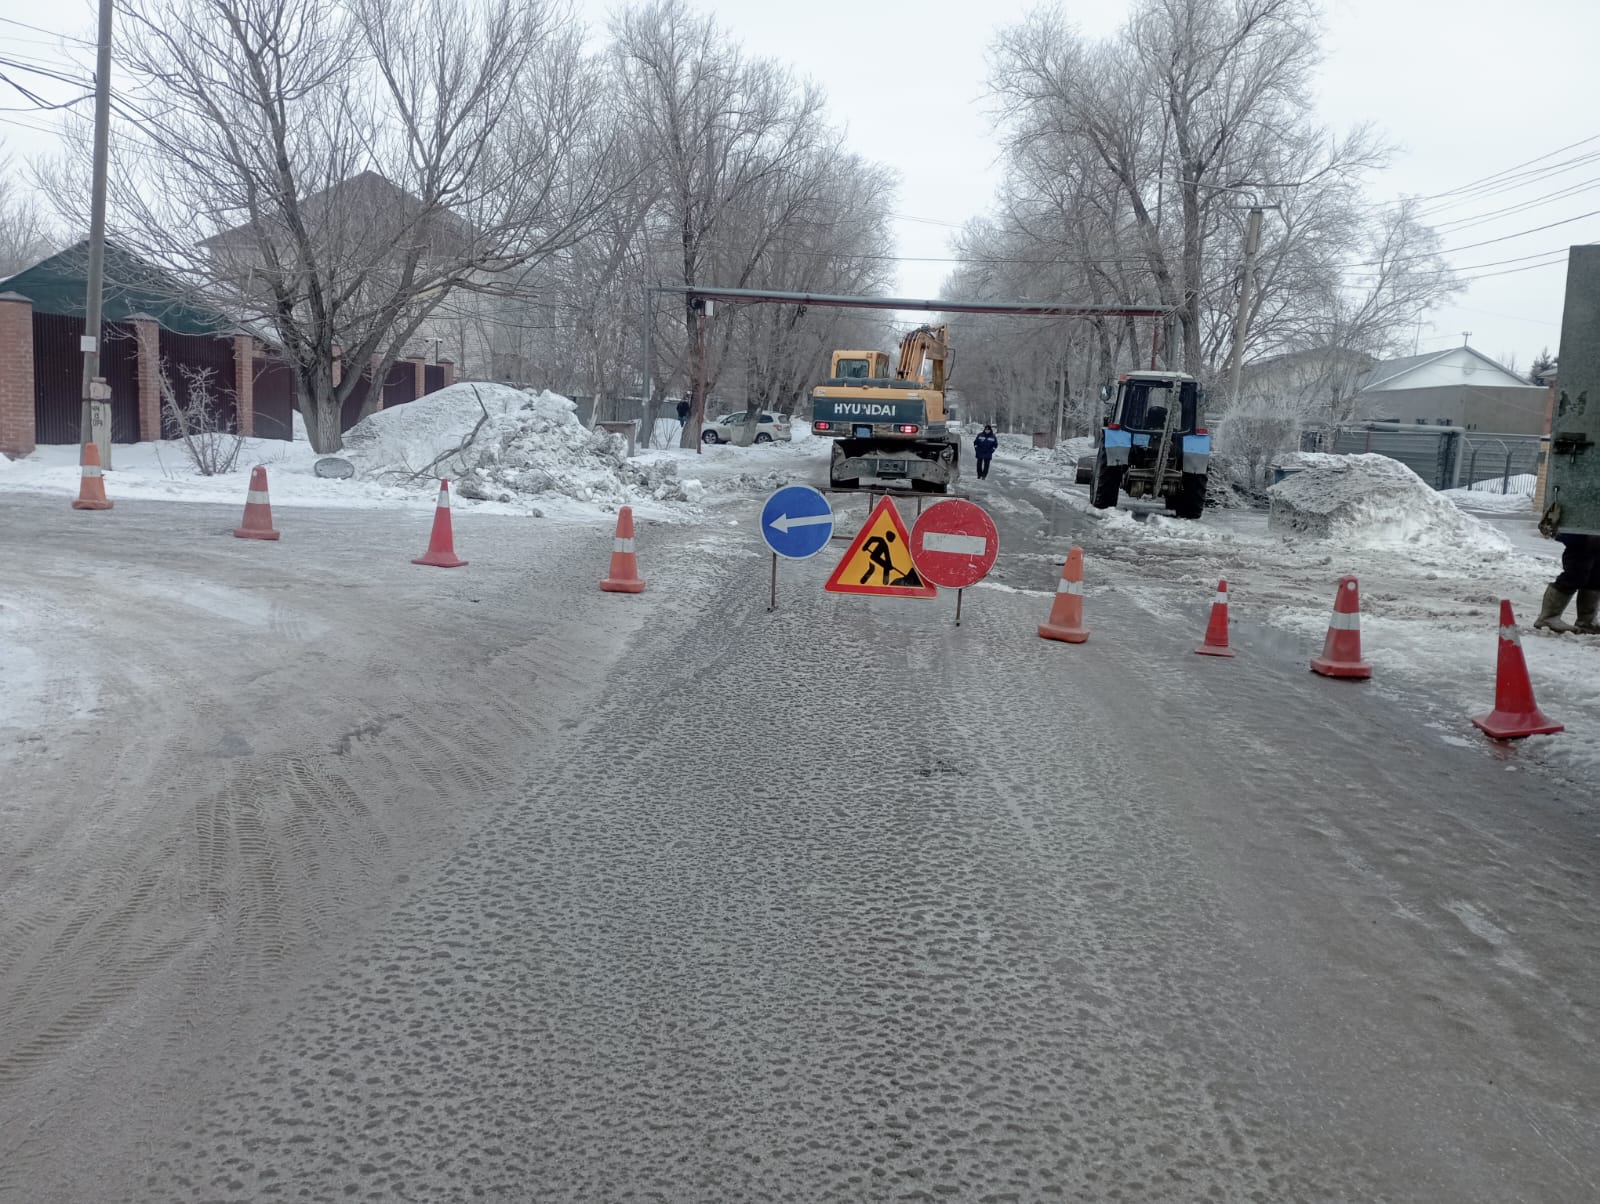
(860, 365)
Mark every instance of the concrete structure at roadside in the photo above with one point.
(1573, 482)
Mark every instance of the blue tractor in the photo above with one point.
(1153, 443)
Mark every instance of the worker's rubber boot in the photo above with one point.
(1555, 602)
(1588, 611)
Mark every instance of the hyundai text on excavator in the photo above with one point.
(890, 428)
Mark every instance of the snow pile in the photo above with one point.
(501, 444)
(1374, 501)
(1062, 460)
(1523, 484)
(406, 440)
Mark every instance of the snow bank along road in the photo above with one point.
(327, 877)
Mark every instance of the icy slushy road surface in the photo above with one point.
(583, 898)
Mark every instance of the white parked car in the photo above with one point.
(727, 429)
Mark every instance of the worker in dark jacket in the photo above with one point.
(983, 448)
(1580, 575)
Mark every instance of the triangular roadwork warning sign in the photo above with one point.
(878, 560)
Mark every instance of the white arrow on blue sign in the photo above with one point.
(797, 522)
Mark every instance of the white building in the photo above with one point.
(1456, 387)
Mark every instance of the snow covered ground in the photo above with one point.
(526, 454)
(1432, 566)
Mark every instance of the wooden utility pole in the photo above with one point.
(1252, 243)
(94, 420)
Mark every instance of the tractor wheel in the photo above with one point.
(1104, 484)
(1191, 503)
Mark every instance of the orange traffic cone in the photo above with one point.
(441, 553)
(1515, 713)
(257, 509)
(1341, 652)
(1216, 643)
(91, 486)
(1066, 612)
(624, 578)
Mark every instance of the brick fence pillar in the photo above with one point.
(147, 341)
(421, 378)
(376, 384)
(17, 428)
(449, 367)
(244, 383)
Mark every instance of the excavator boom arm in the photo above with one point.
(924, 343)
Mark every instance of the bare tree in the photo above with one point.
(724, 129)
(352, 165)
(25, 233)
(1130, 163)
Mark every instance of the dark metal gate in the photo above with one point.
(432, 378)
(58, 379)
(350, 414)
(119, 364)
(400, 385)
(272, 394)
(183, 356)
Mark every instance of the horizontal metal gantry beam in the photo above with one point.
(1027, 309)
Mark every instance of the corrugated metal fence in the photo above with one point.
(1445, 457)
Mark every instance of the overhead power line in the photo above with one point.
(1514, 167)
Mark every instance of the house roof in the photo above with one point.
(366, 194)
(59, 284)
(1392, 370)
(1308, 355)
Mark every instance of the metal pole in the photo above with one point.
(94, 413)
(959, 592)
(697, 404)
(1252, 242)
(1061, 403)
(645, 387)
(772, 604)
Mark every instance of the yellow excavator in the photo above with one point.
(893, 429)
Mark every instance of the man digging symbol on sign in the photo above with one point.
(873, 563)
(877, 549)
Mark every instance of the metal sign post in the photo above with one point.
(954, 544)
(796, 523)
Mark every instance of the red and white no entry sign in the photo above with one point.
(953, 544)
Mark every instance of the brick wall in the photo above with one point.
(449, 367)
(16, 375)
(244, 376)
(148, 334)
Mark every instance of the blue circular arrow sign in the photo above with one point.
(797, 522)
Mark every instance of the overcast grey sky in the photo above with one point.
(1465, 90)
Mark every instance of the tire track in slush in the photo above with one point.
(665, 974)
(151, 953)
